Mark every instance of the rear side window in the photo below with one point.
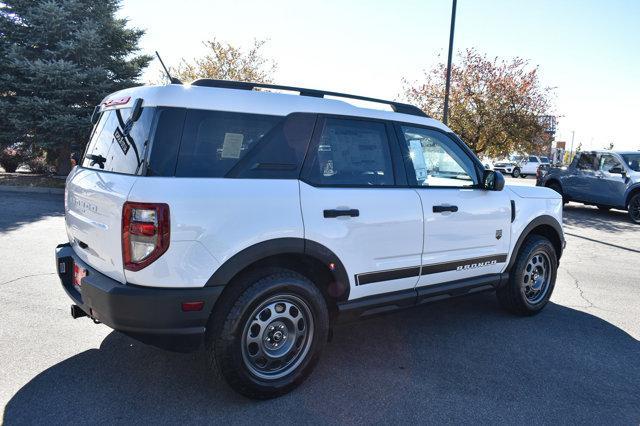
(118, 145)
(351, 153)
(213, 141)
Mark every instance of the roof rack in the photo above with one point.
(244, 85)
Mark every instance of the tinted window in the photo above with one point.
(280, 154)
(633, 161)
(437, 160)
(213, 142)
(587, 161)
(351, 153)
(166, 141)
(117, 145)
(544, 159)
(533, 160)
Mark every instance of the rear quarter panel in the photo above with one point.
(211, 220)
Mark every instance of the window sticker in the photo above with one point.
(232, 145)
(122, 140)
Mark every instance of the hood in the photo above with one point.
(533, 192)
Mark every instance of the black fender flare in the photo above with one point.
(630, 192)
(540, 220)
(281, 246)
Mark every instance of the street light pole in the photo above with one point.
(448, 83)
(573, 134)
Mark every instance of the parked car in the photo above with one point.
(518, 166)
(254, 221)
(606, 179)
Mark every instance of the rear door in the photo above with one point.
(582, 178)
(467, 229)
(355, 202)
(97, 190)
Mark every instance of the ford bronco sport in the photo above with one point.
(251, 221)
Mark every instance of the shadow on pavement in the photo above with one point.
(19, 209)
(462, 360)
(582, 216)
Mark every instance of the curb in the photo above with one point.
(31, 189)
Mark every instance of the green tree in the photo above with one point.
(59, 59)
(495, 105)
(224, 61)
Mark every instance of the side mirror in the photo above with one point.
(493, 180)
(617, 170)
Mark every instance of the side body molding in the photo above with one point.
(540, 220)
(283, 246)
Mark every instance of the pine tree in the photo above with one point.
(59, 58)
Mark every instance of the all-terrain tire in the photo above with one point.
(633, 208)
(514, 296)
(227, 332)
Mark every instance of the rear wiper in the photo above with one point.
(97, 159)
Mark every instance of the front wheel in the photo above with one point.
(516, 172)
(271, 336)
(532, 278)
(634, 208)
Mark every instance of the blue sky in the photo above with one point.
(588, 50)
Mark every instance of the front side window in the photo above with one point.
(438, 160)
(633, 161)
(533, 160)
(351, 153)
(587, 161)
(214, 141)
(608, 162)
(118, 145)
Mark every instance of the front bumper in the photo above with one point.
(151, 315)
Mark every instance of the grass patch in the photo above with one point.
(28, 179)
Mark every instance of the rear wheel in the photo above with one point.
(634, 208)
(271, 336)
(516, 172)
(532, 278)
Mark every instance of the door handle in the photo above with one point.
(337, 213)
(442, 209)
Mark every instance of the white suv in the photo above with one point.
(254, 220)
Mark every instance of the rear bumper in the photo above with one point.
(151, 315)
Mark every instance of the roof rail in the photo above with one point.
(244, 85)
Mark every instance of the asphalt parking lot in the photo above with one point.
(462, 360)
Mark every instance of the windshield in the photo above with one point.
(633, 161)
(117, 145)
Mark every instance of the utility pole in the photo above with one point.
(573, 134)
(448, 83)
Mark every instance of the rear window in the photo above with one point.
(214, 141)
(117, 145)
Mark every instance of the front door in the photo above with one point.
(355, 202)
(467, 229)
(609, 188)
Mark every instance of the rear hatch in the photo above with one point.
(98, 188)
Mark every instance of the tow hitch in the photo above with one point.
(76, 312)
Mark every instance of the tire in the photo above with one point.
(536, 260)
(515, 172)
(243, 338)
(523, 176)
(604, 208)
(634, 208)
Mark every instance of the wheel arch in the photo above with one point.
(546, 226)
(308, 258)
(633, 190)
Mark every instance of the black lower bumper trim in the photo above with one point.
(149, 314)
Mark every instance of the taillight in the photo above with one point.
(145, 233)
